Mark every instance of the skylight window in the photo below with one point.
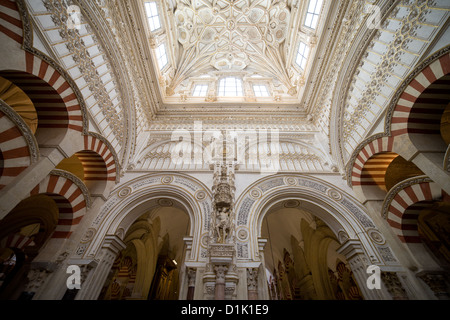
(302, 55)
(161, 56)
(312, 15)
(152, 15)
(260, 90)
(200, 90)
(230, 87)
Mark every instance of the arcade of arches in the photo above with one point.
(245, 149)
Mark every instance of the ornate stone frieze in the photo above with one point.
(394, 286)
(252, 278)
(438, 283)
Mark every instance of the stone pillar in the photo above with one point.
(252, 283)
(438, 283)
(191, 274)
(354, 253)
(221, 270)
(111, 247)
(219, 291)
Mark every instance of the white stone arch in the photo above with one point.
(133, 198)
(167, 146)
(294, 159)
(345, 216)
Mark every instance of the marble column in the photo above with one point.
(111, 247)
(359, 263)
(219, 291)
(191, 273)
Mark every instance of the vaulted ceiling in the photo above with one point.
(267, 46)
(322, 74)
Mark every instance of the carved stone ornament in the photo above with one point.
(220, 271)
(438, 283)
(252, 278)
(394, 286)
(222, 250)
(191, 273)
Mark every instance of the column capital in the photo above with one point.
(351, 248)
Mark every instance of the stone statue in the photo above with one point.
(223, 224)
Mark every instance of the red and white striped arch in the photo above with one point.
(70, 200)
(99, 164)
(408, 118)
(10, 22)
(380, 146)
(98, 160)
(14, 150)
(403, 211)
(56, 103)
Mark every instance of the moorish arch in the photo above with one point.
(57, 129)
(402, 174)
(405, 208)
(58, 108)
(346, 217)
(149, 194)
(16, 155)
(42, 224)
(96, 164)
(415, 125)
